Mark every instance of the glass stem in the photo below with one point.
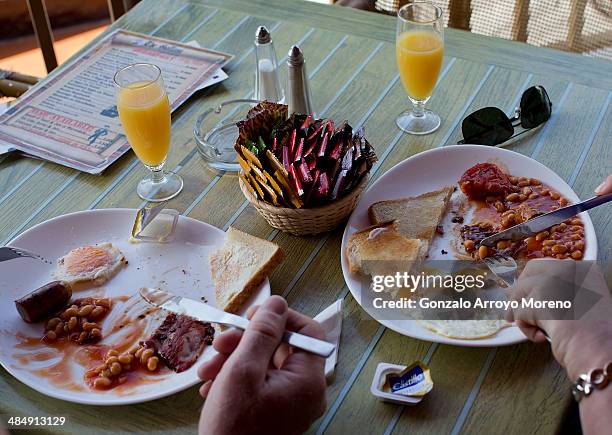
(157, 176)
(418, 108)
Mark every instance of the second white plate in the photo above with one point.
(432, 170)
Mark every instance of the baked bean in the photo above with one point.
(146, 354)
(546, 250)
(507, 213)
(125, 358)
(577, 255)
(563, 202)
(523, 183)
(100, 368)
(70, 312)
(102, 382)
(106, 373)
(535, 182)
(96, 333)
(527, 191)
(112, 352)
(555, 195)
(559, 249)
(88, 326)
(110, 360)
(513, 179)
(499, 206)
(468, 245)
(560, 256)
(139, 351)
(541, 236)
(502, 244)
(105, 302)
(83, 336)
(555, 207)
(533, 196)
(72, 323)
(96, 312)
(575, 237)
(555, 236)
(530, 240)
(115, 368)
(59, 328)
(507, 221)
(483, 251)
(579, 245)
(549, 242)
(576, 222)
(85, 311)
(513, 197)
(522, 197)
(51, 324)
(152, 363)
(51, 335)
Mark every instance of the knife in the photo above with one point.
(207, 313)
(545, 221)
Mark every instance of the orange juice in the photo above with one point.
(144, 111)
(419, 58)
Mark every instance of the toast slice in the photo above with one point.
(417, 217)
(240, 266)
(381, 249)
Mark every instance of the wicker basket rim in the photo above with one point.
(331, 206)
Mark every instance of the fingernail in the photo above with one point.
(275, 304)
(599, 188)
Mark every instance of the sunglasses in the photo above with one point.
(491, 126)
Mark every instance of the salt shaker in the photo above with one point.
(267, 81)
(298, 92)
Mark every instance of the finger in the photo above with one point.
(205, 389)
(211, 368)
(303, 324)
(227, 342)
(528, 329)
(251, 311)
(281, 354)
(605, 187)
(262, 337)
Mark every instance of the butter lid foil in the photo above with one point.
(414, 380)
(155, 223)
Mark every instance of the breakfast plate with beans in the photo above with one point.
(489, 189)
(74, 326)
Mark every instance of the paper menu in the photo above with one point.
(72, 119)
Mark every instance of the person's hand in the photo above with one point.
(605, 186)
(254, 386)
(578, 345)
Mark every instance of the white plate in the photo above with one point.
(432, 170)
(180, 266)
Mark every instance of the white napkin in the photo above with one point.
(331, 321)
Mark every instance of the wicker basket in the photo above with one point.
(306, 221)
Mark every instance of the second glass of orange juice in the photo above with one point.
(419, 50)
(144, 111)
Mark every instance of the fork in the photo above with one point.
(505, 267)
(10, 253)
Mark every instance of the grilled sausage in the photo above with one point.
(44, 301)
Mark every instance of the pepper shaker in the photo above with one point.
(298, 91)
(267, 81)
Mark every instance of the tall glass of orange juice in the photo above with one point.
(419, 49)
(144, 111)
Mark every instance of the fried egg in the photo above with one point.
(94, 263)
(465, 329)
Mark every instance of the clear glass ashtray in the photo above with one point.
(215, 133)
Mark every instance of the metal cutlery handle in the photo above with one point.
(309, 344)
(301, 341)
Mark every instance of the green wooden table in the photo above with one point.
(351, 62)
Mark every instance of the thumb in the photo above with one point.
(263, 335)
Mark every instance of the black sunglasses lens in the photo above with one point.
(488, 126)
(536, 107)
